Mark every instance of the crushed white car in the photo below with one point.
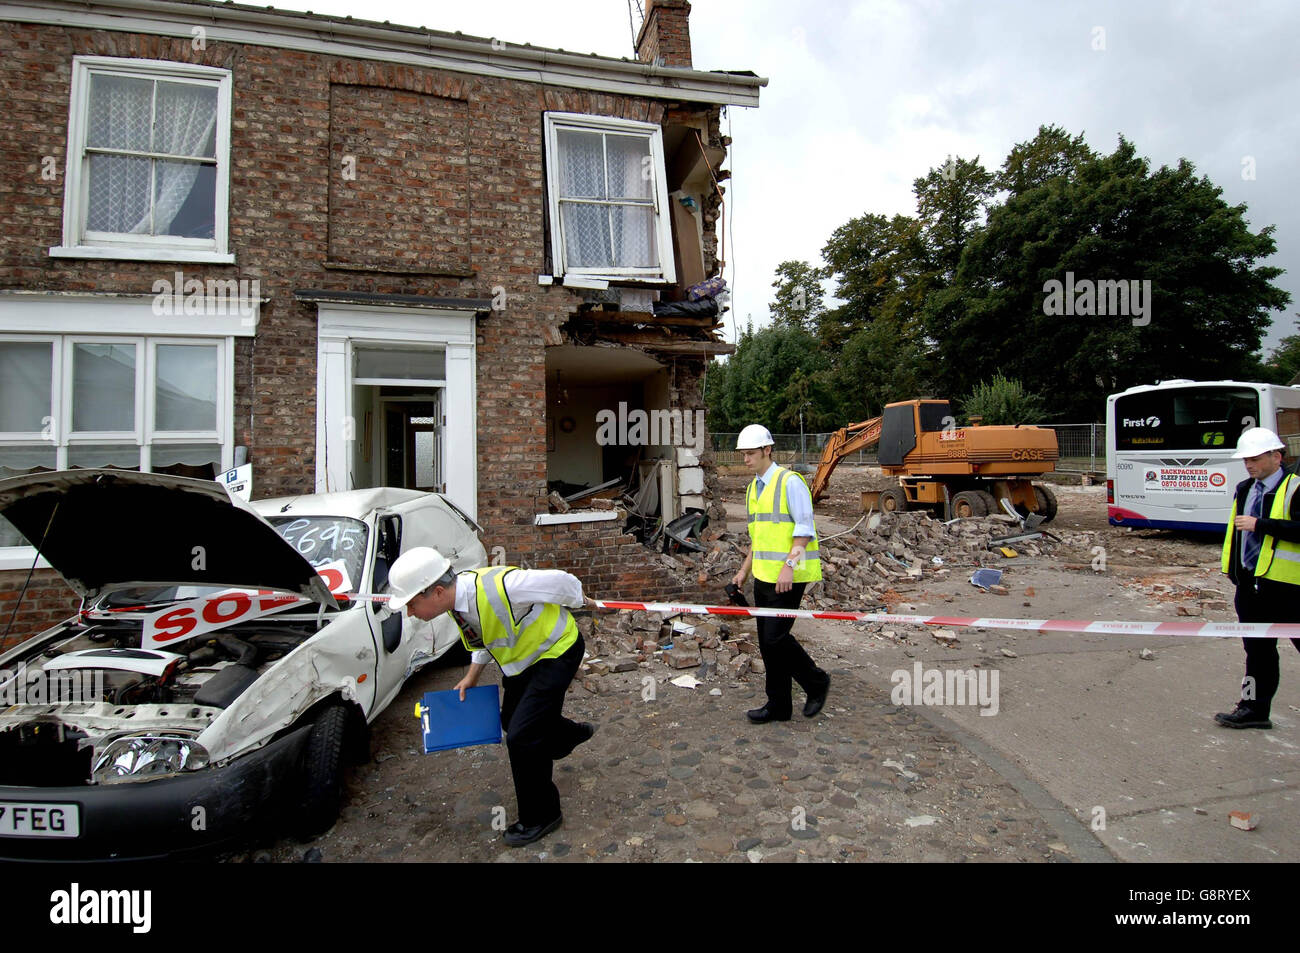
(225, 665)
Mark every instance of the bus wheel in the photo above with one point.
(1046, 502)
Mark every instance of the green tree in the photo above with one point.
(1002, 401)
(1284, 360)
(1194, 259)
(1051, 154)
(798, 303)
(951, 201)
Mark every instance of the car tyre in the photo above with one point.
(323, 765)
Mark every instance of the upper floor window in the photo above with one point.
(148, 161)
(608, 197)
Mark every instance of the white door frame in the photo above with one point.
(341, 327)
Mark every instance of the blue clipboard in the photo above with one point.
(449, 722)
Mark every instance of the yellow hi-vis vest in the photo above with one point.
(1278, 559)
(771, 531)
(546, 630)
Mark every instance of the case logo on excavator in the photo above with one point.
(1028, 455)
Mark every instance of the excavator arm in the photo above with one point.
(843, 442)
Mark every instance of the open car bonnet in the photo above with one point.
(110, 529)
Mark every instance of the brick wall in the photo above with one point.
(666, 33)
(292, 212)
(47, 600)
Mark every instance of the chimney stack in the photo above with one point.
(665, 36)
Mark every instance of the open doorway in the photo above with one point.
(412, 442)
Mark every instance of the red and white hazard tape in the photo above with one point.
(1261, 630)
(1258, 630)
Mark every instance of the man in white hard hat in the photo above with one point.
(518, 618)
(1261, 554)
(784, 557)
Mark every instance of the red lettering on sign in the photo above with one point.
(212, 611)
(180, 620)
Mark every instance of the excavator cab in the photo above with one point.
(898, 430)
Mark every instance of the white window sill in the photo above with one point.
(20, 557)
(142, 254)
(555, 519)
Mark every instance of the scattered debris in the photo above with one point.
(1243, 820)
(921, 820)
(1146, 655)
(984, 578)
(1008, 653)
(946, 636)
(909, 775)
(686, 681)
(1200, 810)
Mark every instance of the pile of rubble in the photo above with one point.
(627, 651)
(884, 553)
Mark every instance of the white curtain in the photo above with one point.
(142, 115)
(619, 232)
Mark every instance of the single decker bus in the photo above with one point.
(1169, 448)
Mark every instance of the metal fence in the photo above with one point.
(1082, 448)
(790, 448)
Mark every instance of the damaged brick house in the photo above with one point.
(354, 254)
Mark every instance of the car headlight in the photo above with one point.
(144, 757)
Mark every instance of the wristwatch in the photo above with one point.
(792, 563)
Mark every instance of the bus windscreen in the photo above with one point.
(1193, 418)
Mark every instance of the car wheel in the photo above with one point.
(323, 764)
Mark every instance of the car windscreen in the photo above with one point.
(1188, 418)
(326, 539)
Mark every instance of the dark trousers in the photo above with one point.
(783, 657)
(1263, 600)
(537, 733)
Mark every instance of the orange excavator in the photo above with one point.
(967, 471)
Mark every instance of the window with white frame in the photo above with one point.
(608, 197)
(153, 404)
(148, 161)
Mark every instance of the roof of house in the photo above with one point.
(415, 46)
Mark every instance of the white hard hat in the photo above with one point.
(753, 437)
(415, 571)
(1255, 441)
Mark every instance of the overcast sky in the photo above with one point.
(864, 97)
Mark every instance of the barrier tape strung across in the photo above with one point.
(1262, 630)
(1258, 630)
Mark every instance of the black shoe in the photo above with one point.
(586, 730)
(816, 699)
(765, 714)
(1242, 717)
(517, 835)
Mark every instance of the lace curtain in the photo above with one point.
(618, 228)
(146, 116)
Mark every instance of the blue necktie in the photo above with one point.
(758, 487)
(1251, 543)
